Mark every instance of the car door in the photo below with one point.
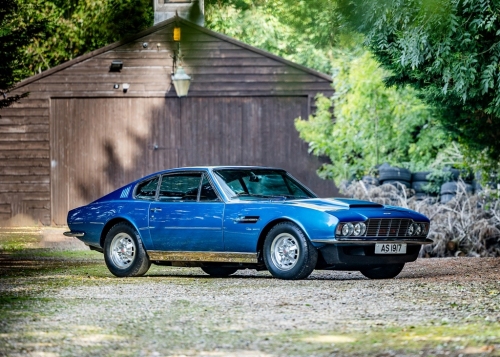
(187, 215)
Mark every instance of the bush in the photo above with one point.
(468, 225)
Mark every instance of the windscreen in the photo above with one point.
(260, 183)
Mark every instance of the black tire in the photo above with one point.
(455, 173)
(131, 259)
(420, 176)
(219, 272)
(394, 173)
(299, 262)
(418, 186)
(370, 180)
(383, 272)
(447, 197)
(449, 187)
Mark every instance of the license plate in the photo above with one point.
(390, 248)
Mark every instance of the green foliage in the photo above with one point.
(435, 179)
(78, 27)
(373, 123)
(15, 33)
(269, 25)
(449, 51)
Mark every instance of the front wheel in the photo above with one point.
(123, 252)
(288, 254)
(383, 272)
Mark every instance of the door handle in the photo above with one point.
(155, 209)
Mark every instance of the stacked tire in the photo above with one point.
(449, 190)
(418, 182)
(394, 175)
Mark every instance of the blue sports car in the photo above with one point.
(222, 219)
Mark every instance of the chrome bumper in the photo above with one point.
(74, 234)
(388, 240)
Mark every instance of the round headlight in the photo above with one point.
(359, 229)
(347, 229)
(411, 230)
(418, 229)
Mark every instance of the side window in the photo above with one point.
(207, 191)
(180, 187)
(147, 190)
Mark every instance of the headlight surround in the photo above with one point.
(346, 229)
(411, 229)
(359, 229)
(418, 229)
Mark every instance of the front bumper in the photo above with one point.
(365, 240)
(349, 256)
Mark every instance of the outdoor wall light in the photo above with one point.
(116, 66)
(181, 82)
(126, 86)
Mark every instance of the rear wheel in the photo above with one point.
(219, 272)
(383, 272)
(123, 252)
(288, 254)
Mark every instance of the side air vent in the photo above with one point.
(247, 219)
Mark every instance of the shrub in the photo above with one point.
(468, 225)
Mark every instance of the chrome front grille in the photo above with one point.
(387, 227)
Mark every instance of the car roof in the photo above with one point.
(207, 168)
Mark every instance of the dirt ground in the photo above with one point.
(58, 299)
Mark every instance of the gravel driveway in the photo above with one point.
(69, 305)
(59, 300)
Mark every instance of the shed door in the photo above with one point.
(100, 144)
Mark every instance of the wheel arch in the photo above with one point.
(110, 224)
(269, 226)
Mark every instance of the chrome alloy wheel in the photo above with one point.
(285, 251)
(123, 250)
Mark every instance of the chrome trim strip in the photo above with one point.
(102, 223)
(203, 228)
(74, 234)
(378, 240)
(220, 257)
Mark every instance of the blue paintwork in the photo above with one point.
(216, 226)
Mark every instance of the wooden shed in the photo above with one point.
(80, 134)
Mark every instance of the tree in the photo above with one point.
(446, 49)
(75, 27)
(15, 34)
(271, 26)
(373, 123)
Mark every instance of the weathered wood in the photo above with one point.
(24, 154)
(24, 145)
(24, 179)
(14, 171)
(29, 128)
(25, 162)
(24, 137)
(24, 187)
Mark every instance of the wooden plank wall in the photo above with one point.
(222, 71)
